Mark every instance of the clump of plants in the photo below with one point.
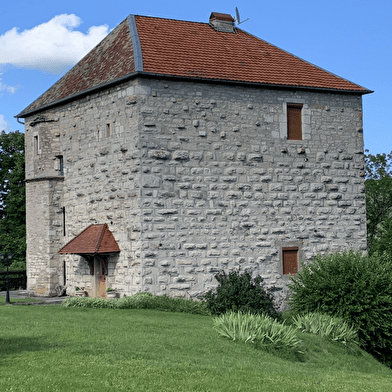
(355, 287)
(239, 292)
(141, 301)
(260, 330)
(333, 328)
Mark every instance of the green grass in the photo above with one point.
(52, 348)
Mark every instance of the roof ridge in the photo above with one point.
(137, 49)
(104, 227)
(173, 19)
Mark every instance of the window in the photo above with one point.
(290, 260)
(63, 213)
(294, 121)
(60, 164)
(36, 145)
(108, 130)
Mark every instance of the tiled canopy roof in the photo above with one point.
(94, 239)
(164, 47)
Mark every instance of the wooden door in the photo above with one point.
(102, 279)
(99, 278)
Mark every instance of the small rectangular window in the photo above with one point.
(60, 164)
(290, 261)
(294, 121)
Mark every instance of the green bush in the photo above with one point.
(239, 292)
(333, 328)
(261, 330)
(141, 301)
(355, 287)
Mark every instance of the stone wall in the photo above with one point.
(193, 178)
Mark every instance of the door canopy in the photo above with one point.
(93, 240)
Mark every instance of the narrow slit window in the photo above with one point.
(36, 145)
(294, 121)
(290, 261)
(63, 213)
(60, 164)
(108, 130)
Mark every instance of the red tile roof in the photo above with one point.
(188, 49)
(92, 240)
(111, 59)
(196, 49)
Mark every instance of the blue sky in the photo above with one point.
(40, 41)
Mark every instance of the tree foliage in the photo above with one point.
(12, 197)
(355, 287)
(378, 186)
(240, 292)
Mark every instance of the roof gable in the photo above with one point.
(95, 239)
(143, 45)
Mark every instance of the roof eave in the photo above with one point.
(90, 254)
(361, 90)
(132, 75)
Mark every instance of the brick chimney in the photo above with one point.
(222, 22)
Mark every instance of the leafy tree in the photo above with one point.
(378, 186)
(12, 197)
(352, 286)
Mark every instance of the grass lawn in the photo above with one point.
(51, 348)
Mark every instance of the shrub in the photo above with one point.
(86, 302)
(324, 325)
(355, 287)
(141, 301)
(261, 330)
(239, 292)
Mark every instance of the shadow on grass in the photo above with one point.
(20, 301)
(17, 345)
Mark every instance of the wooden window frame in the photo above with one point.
(294, 121)
(287, 270)
(60, 164)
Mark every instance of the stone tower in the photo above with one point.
(202, 148)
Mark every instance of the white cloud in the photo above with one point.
(50, 47)
(4, 125)
(9, 89)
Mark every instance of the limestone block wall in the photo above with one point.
(193, 178)
(96, 138)
(223, 188)
(44, 226)
(44, 201)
